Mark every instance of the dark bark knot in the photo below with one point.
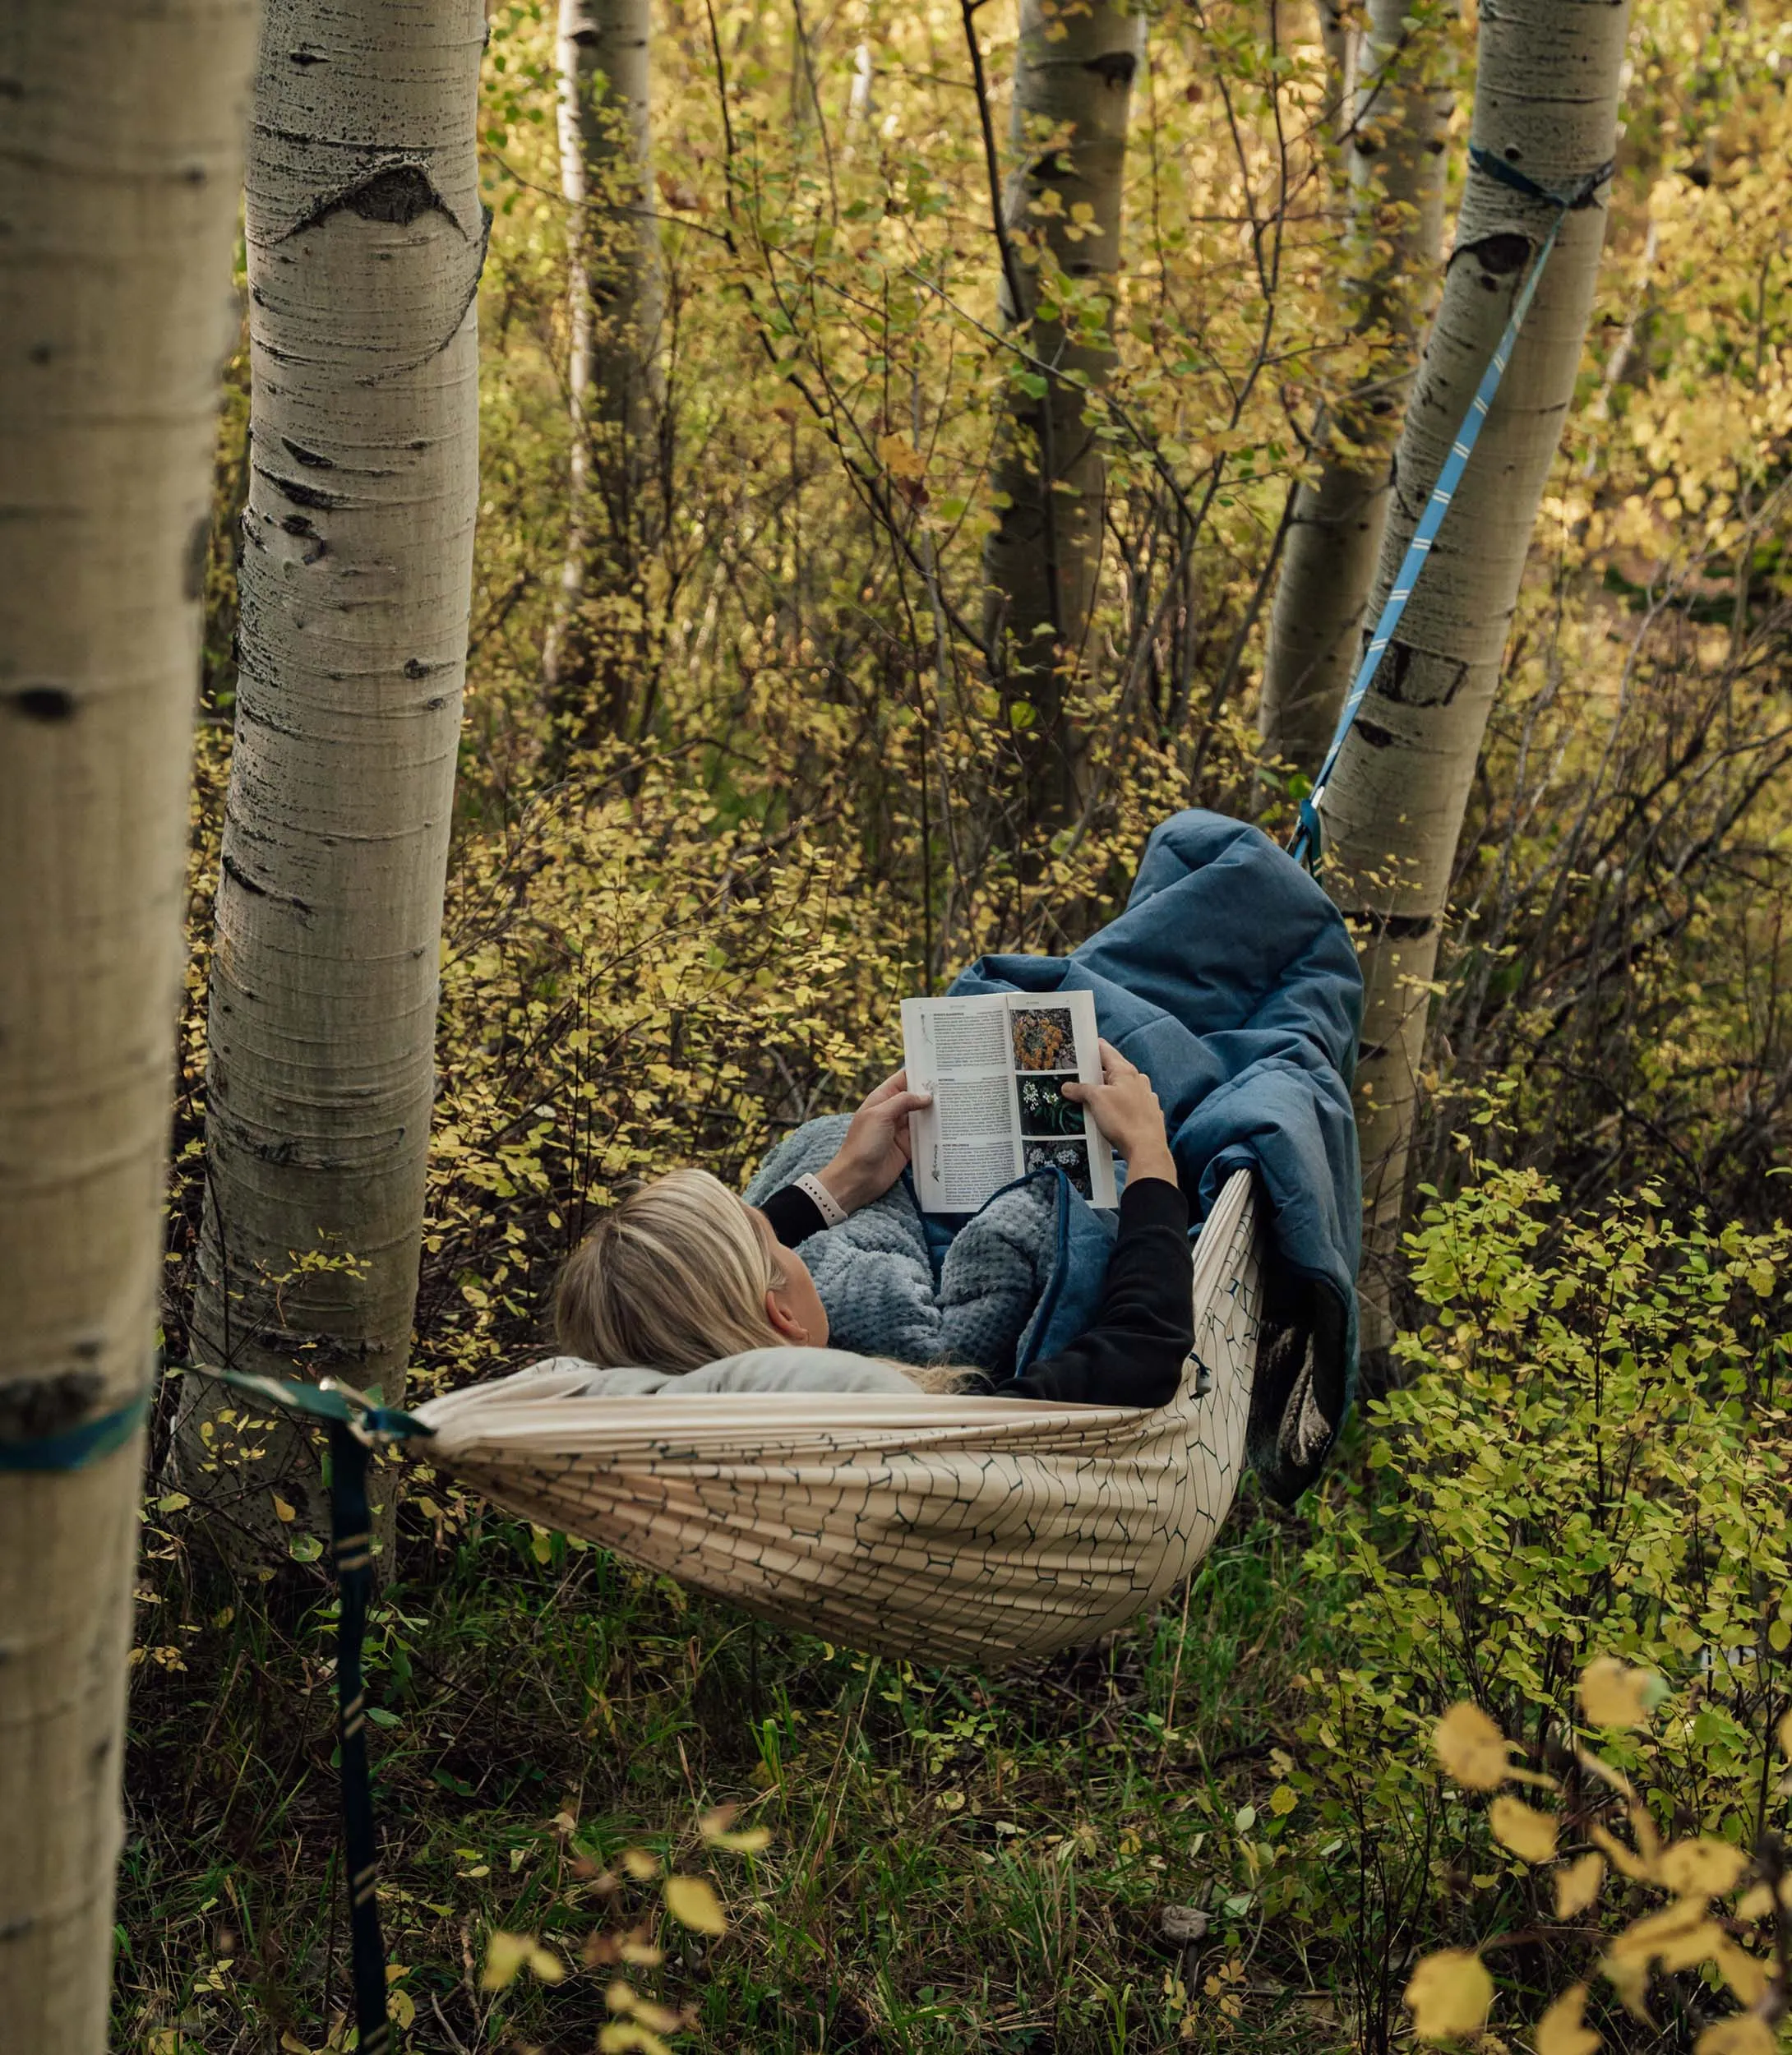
(1499, 256)
(38, 1407)
(1113, 67)
(398, 194)
(43, 703)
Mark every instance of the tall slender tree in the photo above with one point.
(1545, 104)
(1060, 217)
(1397, 151)
(120, 157)
(365, 239)
(615, 309)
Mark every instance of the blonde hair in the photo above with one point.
(675, 1275)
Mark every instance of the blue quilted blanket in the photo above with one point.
(1231, 980)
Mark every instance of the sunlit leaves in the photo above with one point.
(1472, 1747)
(1562, 2029)
(1702, 1869)
(508, 1954)
(1615, 1694)
(693, 1903)
(1450, 1995)
(1577, 1885)
(1528, 1833)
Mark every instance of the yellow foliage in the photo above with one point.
(692, 1902)
(1700, 1869)
(1561, 2030)
(1450, 1995)
(1612, 1694)
(1577, 1886)
(1745, 2035)
(1472, 1747)
(508, 1954)
(1529, 1834)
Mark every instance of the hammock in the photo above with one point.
(934, 1527)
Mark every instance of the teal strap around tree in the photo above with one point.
(77, 1447)
(357, 1425)
(1309, 836)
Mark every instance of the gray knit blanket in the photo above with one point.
(890, 1292)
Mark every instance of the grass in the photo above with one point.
(958, 1862)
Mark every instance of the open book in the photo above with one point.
(996, 1066)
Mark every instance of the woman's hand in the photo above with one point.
(874, 1152)
(1126, 1110)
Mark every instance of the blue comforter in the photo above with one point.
(1232, 981)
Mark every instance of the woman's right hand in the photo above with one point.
(1126, 1108)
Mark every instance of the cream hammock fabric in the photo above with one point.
(932, 1526)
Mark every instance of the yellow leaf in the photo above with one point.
(1577, 1886)
(1746, 1974)
(1614, 1695)
(1450, 1995)
(507, 1954)
(1623, 1859)
(291, 2044)
(1528, 1833)
(1561, 2030)
(1745, 2035)
(621, 2036)
(1755, 1904)
(1784, 1731)
(1702, 1869)
(692, 1902)
(638, 1863)
(716, 1829)
(1678, 1936)
(1283, 1800)
(1629, 1977)
(1471, 1747)
(900, 457)
(402, 2008)
(281, 1511)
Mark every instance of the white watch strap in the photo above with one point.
(832, 1211)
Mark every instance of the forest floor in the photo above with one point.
(957, 1862)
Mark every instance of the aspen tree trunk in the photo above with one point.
(365, 238)
(121, 151)
(1072, 92)
(1397, 154)
(1337, 38)
(616, 306)
(1546, 102)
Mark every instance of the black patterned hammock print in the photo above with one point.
(932, 1527)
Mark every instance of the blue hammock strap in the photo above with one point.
(357, 1424)
(74, 1447)
(1307, 841)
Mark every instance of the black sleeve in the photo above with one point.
(1133, 1353)
(793, 1216)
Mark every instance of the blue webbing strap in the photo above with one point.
(1307, 839)
(356, 1426)
(79, 1445)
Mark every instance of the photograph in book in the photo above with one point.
(995, 1065)
(1045, 1110)
(1071, 1157)
(1044, 1038)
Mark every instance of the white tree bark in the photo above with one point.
(1398, 155)
(365, 238)
(616, 307)
(120, 156)
(1072, 95)
(1546, 102)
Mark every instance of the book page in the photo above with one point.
(966, 1146)
(996, 1066)
(1053, 1040)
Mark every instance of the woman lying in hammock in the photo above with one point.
(683, 1280)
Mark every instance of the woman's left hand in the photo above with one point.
(874, 1152)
